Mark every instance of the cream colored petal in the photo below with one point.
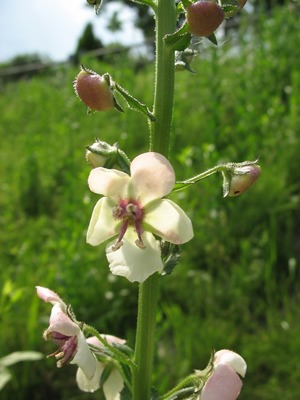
(102, 225)
(232, 359)
(167, 220)
(224, 384)
(132, 262)
(108, 182)
(84, 358)
(89, 385)
(152, 177)
(113, 386)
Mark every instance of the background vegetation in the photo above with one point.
(237, 285)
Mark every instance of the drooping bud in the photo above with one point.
(204, 17)
(238, 177)
(94, 90)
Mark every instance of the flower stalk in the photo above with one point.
(165, 20)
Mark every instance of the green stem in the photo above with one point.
(165, 20)
(144, 349)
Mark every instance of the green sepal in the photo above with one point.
(96, 3)
(125, 394)
(178, 40)
(186, 3)
(212, 38)
(133, 103)
(170, 254)
(230, 7)
(113, 351)
(106, 372)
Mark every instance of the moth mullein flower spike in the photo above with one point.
(133, 209)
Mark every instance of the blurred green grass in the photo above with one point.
(237, 285)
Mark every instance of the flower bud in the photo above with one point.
(239, 177)
(204, 17)
(94, 90)
(99, 153)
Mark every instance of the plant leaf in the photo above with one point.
(5, 377)
(19, 356)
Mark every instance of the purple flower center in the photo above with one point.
(131, 213)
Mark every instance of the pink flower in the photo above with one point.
(74, 348)
(224, 383)
(133, 209)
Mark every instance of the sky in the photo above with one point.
(52, 27)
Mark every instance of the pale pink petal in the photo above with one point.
(232, 359)
(167, 220)
(89, 385)
(84, 357)
(108, 182)
(152, 177)
(113, 386)
(224, 384)
(60, 322)
(132, 262)
(94, 341)
(48, 295)
(102, 224)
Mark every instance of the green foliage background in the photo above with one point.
(237, 285)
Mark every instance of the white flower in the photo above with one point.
(224, 383)
(113, 385)
(73, 347)
(133, 209)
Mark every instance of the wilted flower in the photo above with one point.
(224, 383)
(133, 210)
(74, 347)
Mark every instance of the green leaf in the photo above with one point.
(19, 356)
(133, 103)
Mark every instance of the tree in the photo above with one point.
(87, 42)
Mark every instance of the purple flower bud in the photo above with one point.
(94, 90)
(242, 178)
(204, 17)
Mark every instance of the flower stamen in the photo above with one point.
(130, 213)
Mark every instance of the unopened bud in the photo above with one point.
(239, 177)
(99, 153)
(102, 154)
(204, 17)
(94, 90)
